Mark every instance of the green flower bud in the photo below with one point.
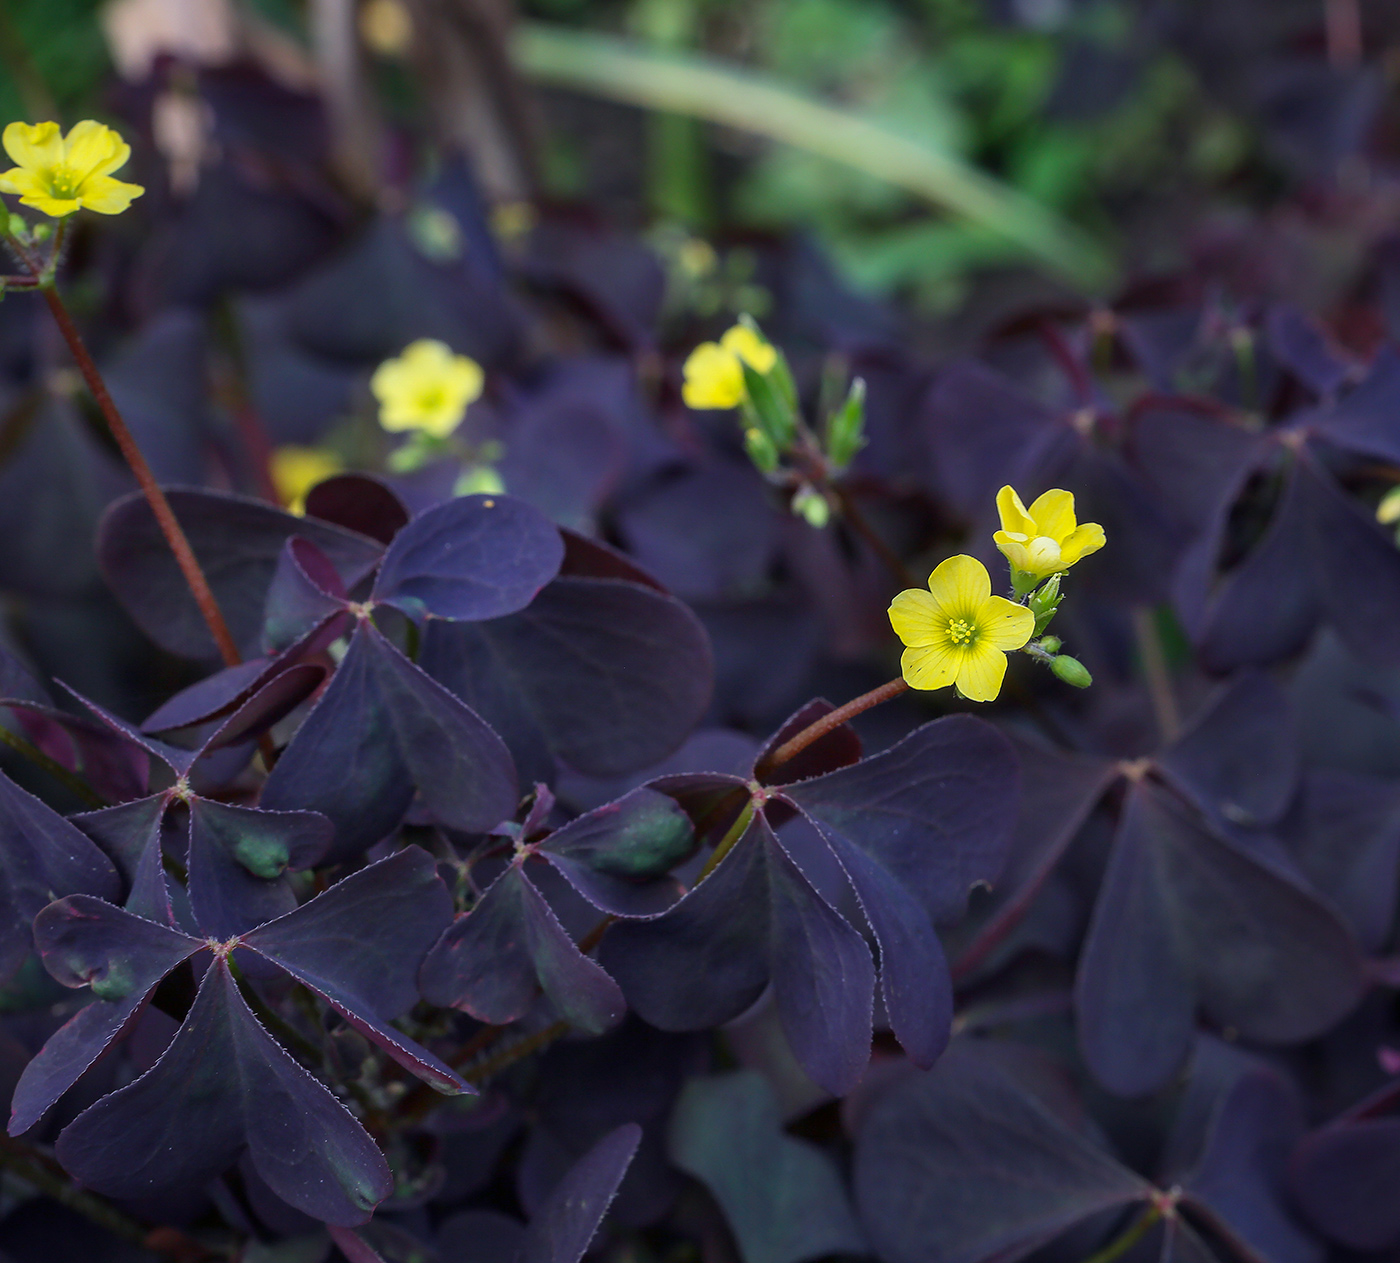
(1071, 671)
(1044, 602)
(767, 407)
(1051, 644)
(845, 431)
(812, 505)
(761, 450)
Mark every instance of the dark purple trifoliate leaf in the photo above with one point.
(1344, 1175)
(211, 697)
(122, 957)
(914, 828)
(1356, 565)
(382, 728)
(359, 503)
(965, 1164)
(936, 810)
(192, 1114)
(756, 918)
(587, 558)
(614, 854)
(1058, 791)
(177, 758)
(128, 834)
(42, 857)
(305, 594)
(608, 675)
(1263, 610)
(1364, 420)
(1239, 760)
(283, 692)
(563, 1228)
(980, 427)
(1345, 834)
(473, 558)
(1238, 1183)
(236, 540)
(1302, 348)
(237, 856)
(360, 945)
(109, 763)
(1188, 918)
(494, 959)
(783, 1197)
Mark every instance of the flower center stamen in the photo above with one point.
(960, 631)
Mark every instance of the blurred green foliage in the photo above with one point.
(994, 83)
(52, 57)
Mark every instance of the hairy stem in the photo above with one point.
(816, 731)
(165, 516)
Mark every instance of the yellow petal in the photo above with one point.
(981, 672)
(713, 378)
(1014, 518)
(1053, 512)
(107, 196)
(18, 180)
(56, 207)
(38, 148)
(1013, 548)
(960, 585)
(930, 666)
(1084, 540)
(749, 347)
(94, 150)
(1003, 624)
(1042, 556)
(915, 618)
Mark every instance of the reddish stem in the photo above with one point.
(150, 488)
(815, 732)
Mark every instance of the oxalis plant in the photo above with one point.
(427, 876)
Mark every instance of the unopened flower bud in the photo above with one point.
(810, 504)
(1071, 671)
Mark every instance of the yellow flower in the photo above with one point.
(295, 470)
(958, 632)
(714, 374)
(59, 175)
(1388, 510)
(1044, 539)
(426, 388)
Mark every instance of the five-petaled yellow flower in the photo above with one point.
(958, 632)
(714, 374)
(295, 470)
(1044, 539)
(426, 388)
(59, 175)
